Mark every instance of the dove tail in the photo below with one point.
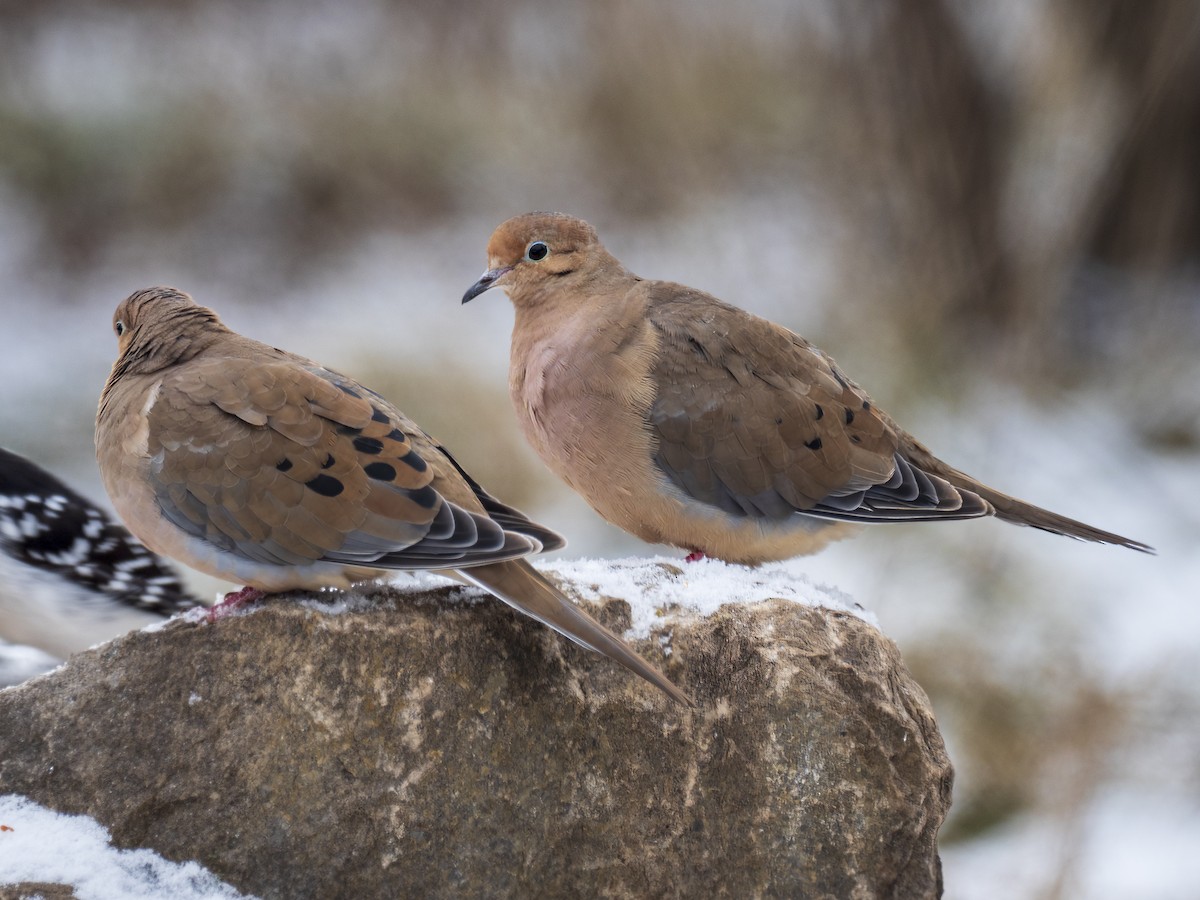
(1018, 512)
(521, 586)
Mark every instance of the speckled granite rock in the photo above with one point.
(414, 746)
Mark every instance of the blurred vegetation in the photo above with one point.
(988, 165)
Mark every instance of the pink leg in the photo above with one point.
(694, 556)
(233, 600)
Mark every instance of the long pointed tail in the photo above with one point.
(521, 586)
(1018, 512)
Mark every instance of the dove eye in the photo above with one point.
(119, 327)
(537, 251)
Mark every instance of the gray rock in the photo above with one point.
(417, 747)
(36, 891)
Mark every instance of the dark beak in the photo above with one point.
(487, 281)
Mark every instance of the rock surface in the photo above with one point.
(30, 890)
(415, 745)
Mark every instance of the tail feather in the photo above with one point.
(521, 586)
(1018, 512)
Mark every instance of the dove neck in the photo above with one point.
(566, 293)
(590, 310)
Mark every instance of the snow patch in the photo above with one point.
(653, 585)
(38, 844)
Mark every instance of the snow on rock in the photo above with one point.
(656, 589)
(395, 743)
(40, 845)
(653, 585)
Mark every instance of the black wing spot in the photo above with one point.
(425, 497)
(325, 485)
(284, 465)
(413, 460)
(779, 420)
(329, 461)
(820, 412)
(856, 438)
(849, 415)
(397, 435)
(378, 415)
(348, 390)
(380, 471)
(814, 444)
(368, 445)
(866, 404)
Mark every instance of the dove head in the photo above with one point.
(528, 253)
(159, 326)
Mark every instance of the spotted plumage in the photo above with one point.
(265, 468)
(70, 577)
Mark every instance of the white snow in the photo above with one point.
(650, 585)
(38, 844)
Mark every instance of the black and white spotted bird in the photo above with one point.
(70, 577)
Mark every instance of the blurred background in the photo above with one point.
(988, 213)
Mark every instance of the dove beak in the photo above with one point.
(486, 281)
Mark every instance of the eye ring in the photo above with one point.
(537, 251)
(119, 327)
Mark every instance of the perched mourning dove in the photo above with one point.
(70, 577)
(690, 422)
(262, 467)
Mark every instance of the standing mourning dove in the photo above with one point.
(690, 422)
(70, 577)
(262, 467)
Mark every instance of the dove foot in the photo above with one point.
(694, 556)
(233, 600)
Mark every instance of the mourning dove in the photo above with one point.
(690, 422)
(261, 467)
(70, 577)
